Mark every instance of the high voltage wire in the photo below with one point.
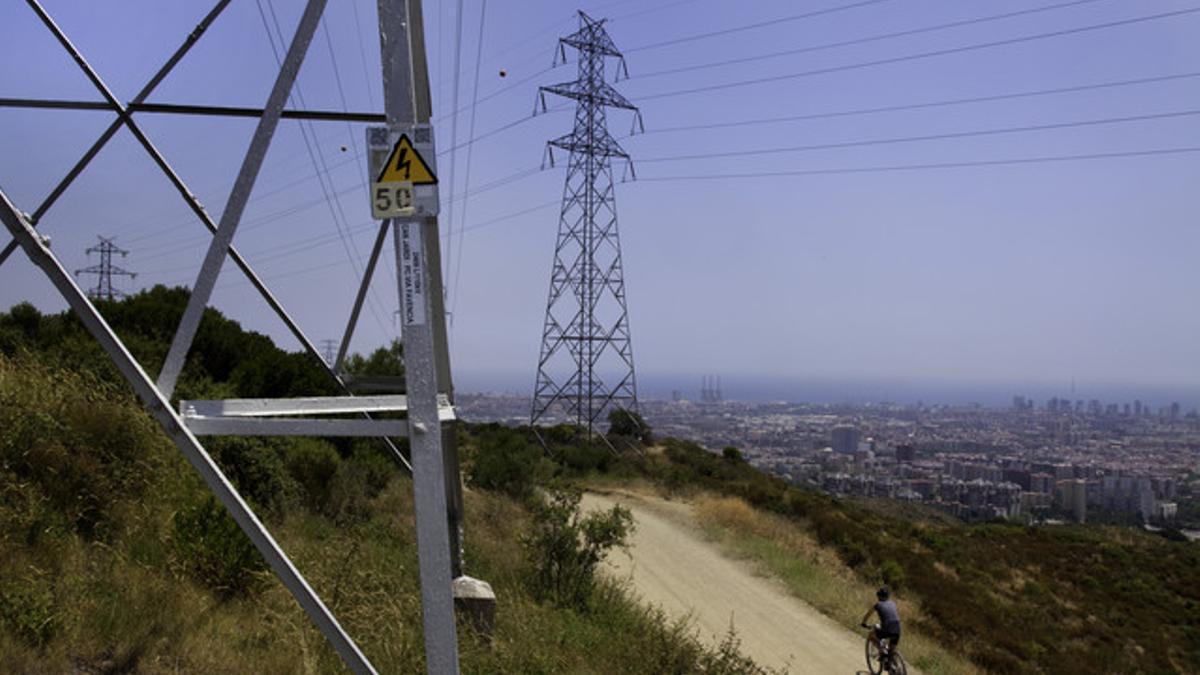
(255, 223)
(865, 40)
(159, 229)
(928, 104)
(754, 26)
(168, 229)
(930, 166)
(454, 129)
(533, 76)
(927, 137)
(335, 205)
(457, 267)
(787, 173)
(365, 227)
(921, 55)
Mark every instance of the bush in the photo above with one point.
(732, 454)
(506, 464)
(582, 459)
(313, 464)
(255, 468)
(28, 610)
(563, 548)
(210, 547)
(623, 422)
(892, 574)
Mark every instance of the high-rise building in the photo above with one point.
(1072, 498)
(845, 439)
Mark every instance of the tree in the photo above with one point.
(383, 361)
(623, 422)
(564, 547)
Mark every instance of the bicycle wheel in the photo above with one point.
(898, 666)
(874, 662)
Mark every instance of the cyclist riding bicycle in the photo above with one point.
(889, 621)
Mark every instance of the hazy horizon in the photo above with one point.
(826, 389)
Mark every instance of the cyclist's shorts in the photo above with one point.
(893, 638)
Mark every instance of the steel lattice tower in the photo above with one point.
(586, 363)
(106, 270)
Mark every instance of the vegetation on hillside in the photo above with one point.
(1012, 598)
(115, 558)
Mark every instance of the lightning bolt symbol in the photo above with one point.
(402, 162)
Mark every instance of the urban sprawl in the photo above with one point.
(1060, 460)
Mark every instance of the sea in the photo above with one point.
(903, 391)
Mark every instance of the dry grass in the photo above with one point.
(783, 549)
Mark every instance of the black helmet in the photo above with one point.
(883, 593)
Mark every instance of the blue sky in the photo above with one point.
(1026, 273)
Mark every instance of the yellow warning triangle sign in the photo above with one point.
(405, 165)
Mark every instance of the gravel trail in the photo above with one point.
(671, 565)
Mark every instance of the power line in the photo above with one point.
(928, 137)
(936, 165)
(161, 230)
(754, 26)
(335, 204)
(467, 169)
(453, 135)
(928, 104)
(509, 216)
(533, 76)
(865, 40)
(648, 10)
(921, 55)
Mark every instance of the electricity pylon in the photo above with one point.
(585, 366)
(105, 271)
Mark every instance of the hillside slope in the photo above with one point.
(670, 565)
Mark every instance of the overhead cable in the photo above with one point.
(927, 104)
(925, 137)
(755, 26)
(921, 55)
(930, 166)
(863, 40)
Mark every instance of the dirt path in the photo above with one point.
(672, 566)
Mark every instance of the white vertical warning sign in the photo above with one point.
(412, 272)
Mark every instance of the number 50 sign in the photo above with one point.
(391, 200)
(405, 184)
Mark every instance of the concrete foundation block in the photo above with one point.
(475, 604)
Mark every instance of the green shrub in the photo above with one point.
(585, 458)
(313, 464)
(506, 464)
(27, 609)
(255, 468)
(74, 441)
(892, 574)
(629, 424)
(732, 454)
(563, 547)
(210, 547)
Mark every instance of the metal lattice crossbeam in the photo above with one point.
(586, 338)
(428, 400)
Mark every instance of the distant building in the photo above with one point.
(1167, 510)
(1072, 497)
(905, 453)
(845, 440)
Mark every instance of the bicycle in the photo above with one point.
(880, 659)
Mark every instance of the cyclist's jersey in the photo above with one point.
(889, 616)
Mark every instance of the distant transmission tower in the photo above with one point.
(586, 363)
(329, 350)
(106, 270)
